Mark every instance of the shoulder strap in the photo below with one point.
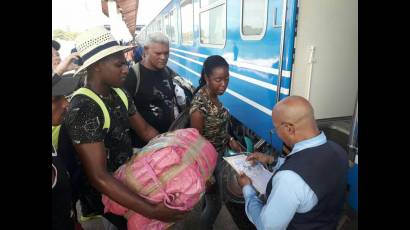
(94, 97)
(170, 72)
(136, 68)
(167, 71)
(122, 95)
(55, 132)
(170, 76)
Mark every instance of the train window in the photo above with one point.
(207, 2)
(213, 24)
(156, 26)
(173, 25)
(253, 18)
(163, 25)
(159, 25)
(187, 21)
(167, 27)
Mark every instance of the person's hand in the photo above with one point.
(263, 158)
(243, 179)
(165, 214)
(67, 64)
(209, 183)
(233, 144)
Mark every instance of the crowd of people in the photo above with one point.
(122, 96)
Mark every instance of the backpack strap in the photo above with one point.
(94, 97)
(122, 95)
(136, 68)
(89, 93)
(170, 76)
(55, 132)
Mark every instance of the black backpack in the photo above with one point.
(183, 119)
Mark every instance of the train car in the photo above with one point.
(275, 48)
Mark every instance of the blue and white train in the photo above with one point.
(275, 48)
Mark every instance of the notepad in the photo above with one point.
(257, 173)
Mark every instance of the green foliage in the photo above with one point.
(64, 35)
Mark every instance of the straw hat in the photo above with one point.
(95, 44)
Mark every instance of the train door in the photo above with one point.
(284, 15)
(262, 61)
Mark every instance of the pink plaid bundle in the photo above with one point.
(172, 168)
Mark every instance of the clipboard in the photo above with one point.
(257, 173)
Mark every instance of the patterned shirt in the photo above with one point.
(216, 119)
(85, 121)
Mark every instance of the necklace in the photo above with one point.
(215, 102)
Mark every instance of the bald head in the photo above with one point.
(297, 113)
(294, 109)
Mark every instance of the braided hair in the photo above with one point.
(210, 64)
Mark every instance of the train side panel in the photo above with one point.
(253, 64)
(325, 74)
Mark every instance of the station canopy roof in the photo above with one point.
(128, 10)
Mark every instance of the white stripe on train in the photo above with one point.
(270, 70)
(233, 93)
(244, 78)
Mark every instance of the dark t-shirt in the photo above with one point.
(155, 98)
(84, 122)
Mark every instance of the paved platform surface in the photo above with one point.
(224, 221)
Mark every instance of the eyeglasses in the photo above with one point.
(275, 131)
(271, 133)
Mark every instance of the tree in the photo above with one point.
(64, 35)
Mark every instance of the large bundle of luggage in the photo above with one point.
(172, 168)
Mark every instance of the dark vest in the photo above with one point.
(324, 169)
(82, 189)
(69, 158)
(61, 197)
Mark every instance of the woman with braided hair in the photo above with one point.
(211, 119)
